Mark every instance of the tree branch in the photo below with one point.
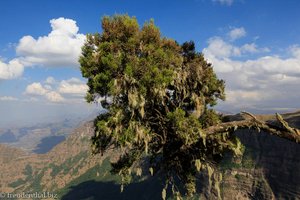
(283, 131)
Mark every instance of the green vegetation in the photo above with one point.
(17, 183)
(246, 161)
(68, 165)
(238, 177)
(96, 173)
(28, 171)
(55, 169)
(159, 97)
(36, 181)
(159, 90)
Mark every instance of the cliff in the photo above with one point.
(269, 169)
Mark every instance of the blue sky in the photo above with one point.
(253, 45)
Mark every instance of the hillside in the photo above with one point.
(66, 167)
(39, 138)
(34, 171)
(269, 169)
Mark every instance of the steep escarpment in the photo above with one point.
(269, 169)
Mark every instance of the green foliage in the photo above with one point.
(28, 170)
(68, 165)
(36, 182)
(97, 173)
(17, 183)
(209, 118)
(246, 161)
(157, 94)
(238, 177)
(55, 169)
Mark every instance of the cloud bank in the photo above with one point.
(237, 33)
(65, 91)
(60, 48)
(8, 98)
(11, 70)
(268, 81)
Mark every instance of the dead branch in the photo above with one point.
(283, 130)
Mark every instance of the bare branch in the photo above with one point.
(285, 132)
(286, 125)
(251, 115)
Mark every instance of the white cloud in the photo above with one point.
(7, 98)
(237, 33)
(62, 26)
(264, 81)
(224, 2)
(48, 87)
(60, 48)
(50, 80)
(54, 97)
(12, 69)
(35, 89)
(73, 86)
(252, 48)
(219, 48)
(67, 91)
(295, 51)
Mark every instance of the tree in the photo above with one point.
(158, 95)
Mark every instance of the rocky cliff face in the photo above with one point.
(269, 169)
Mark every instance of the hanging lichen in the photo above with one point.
(158, 97)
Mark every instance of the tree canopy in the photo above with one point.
(159, 95)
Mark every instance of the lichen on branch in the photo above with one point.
(159, 96)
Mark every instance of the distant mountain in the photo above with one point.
(39, 138)
(269, 169)
(48, 143)
(7, 137)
